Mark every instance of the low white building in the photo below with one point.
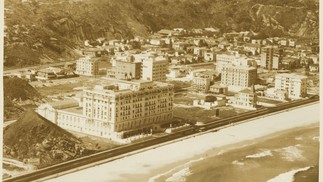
(209, 104)
(209, 56)
(219, 89)
(280, 95)
(49, 110)
(245, 99)
(174, 73)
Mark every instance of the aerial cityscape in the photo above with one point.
(163, 90)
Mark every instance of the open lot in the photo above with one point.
(196, 114)
(183, 108)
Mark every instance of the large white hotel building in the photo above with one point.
(115, 111)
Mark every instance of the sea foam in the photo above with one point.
(291, 153)
(260, 155)
(288, 176)
(179, 175)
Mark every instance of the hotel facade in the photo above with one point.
(116, 111)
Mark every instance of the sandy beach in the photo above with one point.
(152, 164)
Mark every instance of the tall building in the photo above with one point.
(223, 59)
(271, 58)
(294, 85)
(87, 66)
(125, 69)
(154, 68)
(116, 111)
(238, 77)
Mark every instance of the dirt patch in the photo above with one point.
(202, 115)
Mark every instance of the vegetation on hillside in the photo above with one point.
(17, 90)
(35, 33)
(40, 138)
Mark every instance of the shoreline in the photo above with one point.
(241, 145)
(143, 166)
(178, 166)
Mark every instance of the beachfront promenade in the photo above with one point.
(111, 155)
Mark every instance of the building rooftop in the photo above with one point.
(115, 86)
(64, 104)
(75, 110)
(87, 58)
(245, 67)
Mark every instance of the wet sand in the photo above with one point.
(268, 158)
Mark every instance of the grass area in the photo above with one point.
(179, 85)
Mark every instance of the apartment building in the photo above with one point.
(125, 69)
(87, 66)
(294, 85)
(154, 68)
(238, 77)
(271, 58)
(116, 111)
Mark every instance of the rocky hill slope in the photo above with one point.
(40, 31)
(32, 136)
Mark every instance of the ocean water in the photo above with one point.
(289, 156)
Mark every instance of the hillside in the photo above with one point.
(16, 92)
(32, 136)
(16, 88)
(34, 33)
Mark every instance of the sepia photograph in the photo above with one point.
(160, 90)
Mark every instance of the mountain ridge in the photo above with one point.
(34, 33)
